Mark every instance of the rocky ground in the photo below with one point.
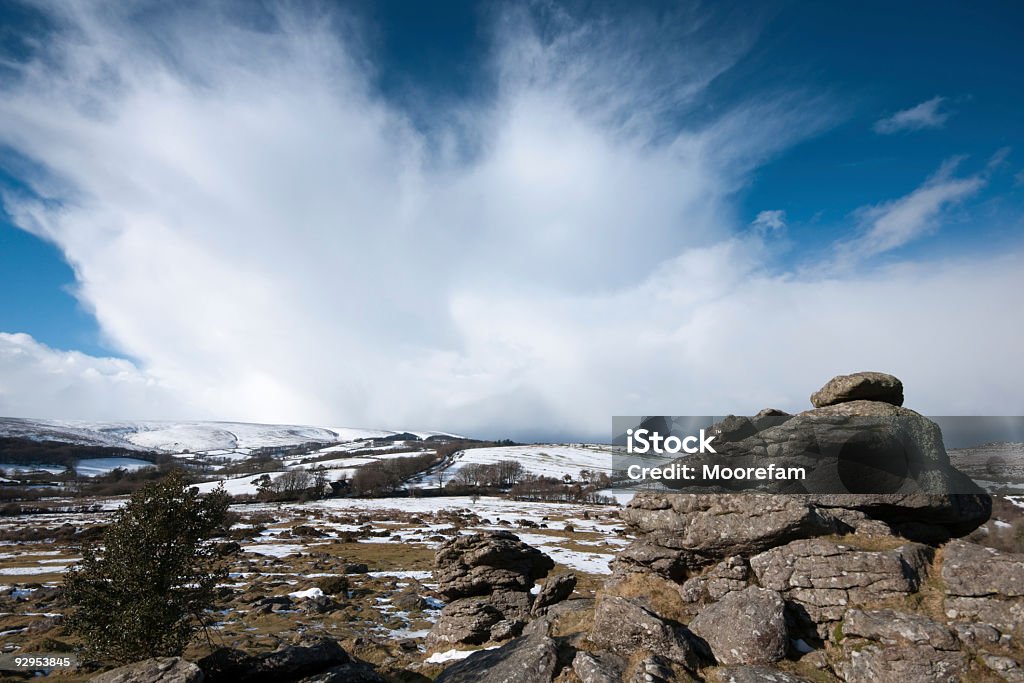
(677, 586)
(356, 572)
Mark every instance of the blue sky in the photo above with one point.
(421, 212)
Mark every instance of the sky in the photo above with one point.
(506, 219)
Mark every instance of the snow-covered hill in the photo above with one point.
(188, 437)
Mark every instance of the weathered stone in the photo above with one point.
(890, 627)
(159, 670)
(860, 386)
(662, 553)
(729, 575)
(353, 672)
(906, 664)
(467, 621)
(554, 590)
(821, 579)
(713, 526)
(752, 674)
(883, 460)
(409, 601)
(479, 564)
(295, 661)
(624, 627)
(655, 669)
(598, 668)
(974, 636)
(290, 662)
(745, 627)
(1006, 668)
(530, 659)
(477, 620)
(1005, 615)
(971, 570)
(889, 645)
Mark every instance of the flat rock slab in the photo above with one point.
(753, 674)
(971, 570)
(860, 386)
(898, 628)
(908, 664)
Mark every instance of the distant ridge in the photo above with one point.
(190, 436)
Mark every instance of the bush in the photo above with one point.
(143, 592)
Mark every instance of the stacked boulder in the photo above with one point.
(803, 585)
(487, 579)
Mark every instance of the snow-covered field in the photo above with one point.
(549, 460)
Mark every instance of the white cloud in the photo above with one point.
(928, 114)
(769, 221)
(893, 224)
(272, 240)
(37, 381)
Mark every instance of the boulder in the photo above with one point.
(860, 386)
(479, 564)
(745, 627)
(554, 590)
(353, 672)
(820, 578)
(158, 670)
(477, 620)
(530, 659)
(598, 668)
(289, 662)
(624, 627)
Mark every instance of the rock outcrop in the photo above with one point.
(788, 585)
(488, 578)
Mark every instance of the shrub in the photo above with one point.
(143, 592)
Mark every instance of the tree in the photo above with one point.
(320, 482)
(143, 592)
(293, 482)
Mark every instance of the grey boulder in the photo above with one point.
(860, 386)
(158, 670)
(744, 627)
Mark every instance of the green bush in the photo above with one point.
(144, 591)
